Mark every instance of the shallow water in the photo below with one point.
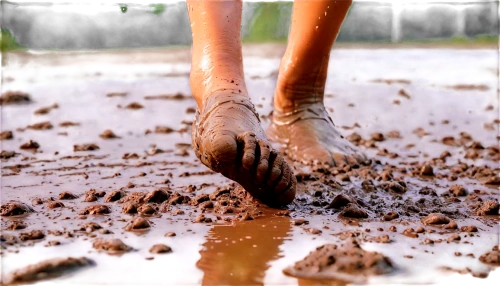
(249, 252)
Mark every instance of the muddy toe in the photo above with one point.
(228, 138)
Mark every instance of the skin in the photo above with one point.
(227, 135)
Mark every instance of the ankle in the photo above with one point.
(204, 87)
(300, 84)
(290, 96)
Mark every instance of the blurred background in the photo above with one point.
(73, 25)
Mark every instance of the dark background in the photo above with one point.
(98, 24)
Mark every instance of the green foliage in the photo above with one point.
(265, 23)
(158, 8)
(8, 42)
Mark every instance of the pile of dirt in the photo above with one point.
(348, 263)
(14, 97)
(46, 269)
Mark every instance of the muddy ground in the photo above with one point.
(99, 177)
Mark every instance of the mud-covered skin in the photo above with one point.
(227, 138)
(311, 137)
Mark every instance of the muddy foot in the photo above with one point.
(311, 138)
(227, 138)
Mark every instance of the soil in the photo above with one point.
(14, 97)
(50, 268)
(430, 192)
(46, 110)
(347, 263)
(108, 134)
(111, 246)
(6, 135)
(160, 248)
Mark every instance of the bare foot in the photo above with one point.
(227, 138)
(311, 137)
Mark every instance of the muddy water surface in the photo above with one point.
(431, 214)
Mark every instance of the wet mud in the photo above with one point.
(131, 184)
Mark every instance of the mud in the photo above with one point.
(46, 110)
(348, 263)
(246, 152)
(160, 248)
(14, 97)
(15, 209)
(47, 269)
(111, 246)
(108, 134)
(6, 135)
(428, 200)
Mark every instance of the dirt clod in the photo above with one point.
(14, 97)
(349, 263)
(138, 224)
(14, 208)
(66, 196)
(160, 248)
(46, 269)
(6, 135)
(85, 147)
(111, 246)
(95, 210)
(108, 134)
(30, 145)
(488, 207)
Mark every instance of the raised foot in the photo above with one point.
(227, 138)
(311, 138)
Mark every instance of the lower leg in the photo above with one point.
(303, 69)
(216, 57)
(227, 136)
(300, 119)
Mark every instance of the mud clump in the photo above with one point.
(46, 110)
(157, 196)
(46, 125)
(488, 207)
(492, 257)
(439, 220)
(138, 224)
(129, 208)
(33, 235)
(458, 191)
(134, 106)
(47, 269)
(95, 210)
(66, 196)
(390, 216)
(348, 207)
(6, 135)
(90, 227)
(55, 204)
(469, 228)
(14, 97)
(111, 246)
(163, 130)
(427, 170)
(349, 263)
(30, 145)
(7, 154)
(114, 196)
(14, 208)
(108, 134)
(16, 225)
(177, 96)
(68, 124)
(85, 147)
(116, 94)
(202, 219)
(160, 248)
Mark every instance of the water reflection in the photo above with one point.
(240, 254)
